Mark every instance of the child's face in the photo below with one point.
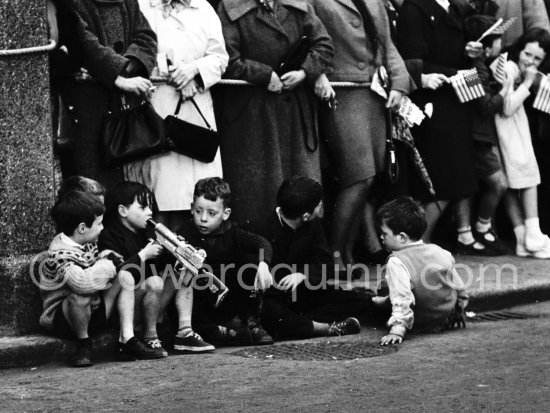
(208, 215)
(136, 215)
(495, 49)
(531, 55)
(91, 234)
(392, 242)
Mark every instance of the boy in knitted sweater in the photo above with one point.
(424, 287)
(79, 287)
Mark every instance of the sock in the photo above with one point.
(465, 235)
(320, 329)
(483, 225)
(185, 331)
(532, 227)
(519, 232)
(150, 338)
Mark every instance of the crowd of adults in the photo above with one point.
(288, 124)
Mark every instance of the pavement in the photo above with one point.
(492, 282)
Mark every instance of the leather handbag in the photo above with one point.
(192, 140)
(132, 133)
(295, 57)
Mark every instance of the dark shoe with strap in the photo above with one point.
(491, 241)
(350, 325)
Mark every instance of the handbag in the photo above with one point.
(192, 140)
(295, 57)
(132, 133)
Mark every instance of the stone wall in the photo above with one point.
(26, 161)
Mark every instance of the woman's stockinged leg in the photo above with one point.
(347, 206)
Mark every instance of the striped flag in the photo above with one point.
(500, 74)
(542, 99)
(467, 85)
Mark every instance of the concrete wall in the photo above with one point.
(26, 161)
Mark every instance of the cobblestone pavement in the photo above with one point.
(490, 366)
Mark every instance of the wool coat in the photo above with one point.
(267, 137)
(356, 132)
(433, 41)
(114, 37)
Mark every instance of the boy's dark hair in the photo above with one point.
(212, 189)
(476, 25)
(76, 207)
(540, 36)
(125, 193)
(403, 214)
(298, 195)
(81, 183)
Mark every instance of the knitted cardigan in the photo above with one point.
(71, 268)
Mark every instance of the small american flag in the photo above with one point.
(542, 99)
(467, 85)
(503, 28)
(500, 74)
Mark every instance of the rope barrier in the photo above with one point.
(235, 82)
(29, 50)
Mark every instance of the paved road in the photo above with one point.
(491, 366)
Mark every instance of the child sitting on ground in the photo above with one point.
(424, 287)
(129, 206)
(239, 258)
(303, 304)
(79, 287)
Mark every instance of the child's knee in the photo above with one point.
(499, 183)
(76, 300)
(126, 279)
(154, 284)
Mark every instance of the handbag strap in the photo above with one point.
(178, 107)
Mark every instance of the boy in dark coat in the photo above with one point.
(239, 258)
(303, 305)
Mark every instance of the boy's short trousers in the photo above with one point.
(486, 159)
(98, 322)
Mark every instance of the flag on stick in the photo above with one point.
(467, 85)
(500, 73)
(542, 99)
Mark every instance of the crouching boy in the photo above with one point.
(129, 206)
(424, 287)
(79, 287)
(238, 257)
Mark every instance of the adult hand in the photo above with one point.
(136, 85)
(292, 281)
(474, 50)
(394, 99)
(188, 91)
(293, 78)
(433, 80)
(182, 74)
(264, 279)
(391, 339)
(275, 85)
(323, 90)
(150, 251)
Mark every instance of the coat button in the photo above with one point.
(361, 65)
(355, 23)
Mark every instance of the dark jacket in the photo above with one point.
(114, 39)
(305, 246)
(267, 137)
(486, 107)
(228, 245)
(118, 238)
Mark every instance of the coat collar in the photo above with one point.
(459, 10)
(237, 8)
(349, 4)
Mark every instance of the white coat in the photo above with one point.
(190, 34)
